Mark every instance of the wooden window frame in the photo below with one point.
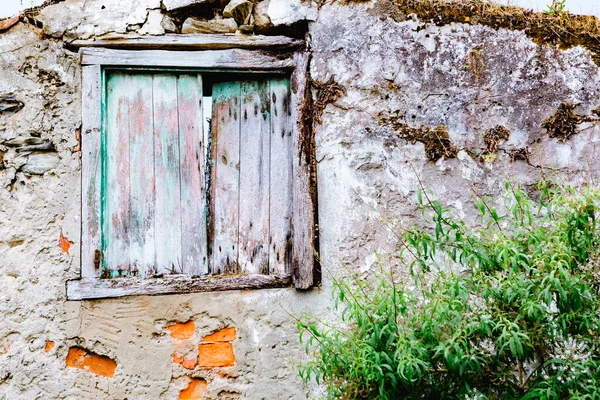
(207, 53)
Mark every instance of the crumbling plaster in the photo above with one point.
(467, 78)
(368, 177)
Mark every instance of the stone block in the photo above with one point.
(288, 12)
(240, 10)
(153, 25)
(247, 29)
(10, 104)
(192, 25)
(24, 141)
(261, 15)
(43, 146)
(39, 163)
(176, 4)
(169, 25)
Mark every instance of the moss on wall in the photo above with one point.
(563, 124)
(325, 93)
(493, 137)
(436, 140)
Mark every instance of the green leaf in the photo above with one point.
(525, 291)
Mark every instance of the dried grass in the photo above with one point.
(564, 30)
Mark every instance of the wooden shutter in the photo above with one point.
(280, 188)
(91, 188)
(251, 187)
(146, 178)
(153, 200)
(165, 209)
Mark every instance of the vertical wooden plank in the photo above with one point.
(141, 175)
(225, 176)
(167, 180)
(303, 221)
(192, 170)
(255, 128)
(116, 180)
(90, 171)
(280, 210)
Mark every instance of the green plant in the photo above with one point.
(558, 8)
(505, 311)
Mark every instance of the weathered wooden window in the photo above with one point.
(175, 201)
(192, 179)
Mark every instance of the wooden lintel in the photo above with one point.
(238, 59)
(191, 42)
(96, 288)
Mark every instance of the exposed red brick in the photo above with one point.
(49, 346)
(4, 349)
(182, 331)
(9, 22)
(177, 359)
(64, 243)
(77, 148)
(92, 362)
(215, 355)
(189, 363)
(195, 390)
(223, 335)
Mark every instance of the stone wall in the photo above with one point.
(459, 107)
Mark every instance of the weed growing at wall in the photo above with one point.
(557, 7)
(505, 311)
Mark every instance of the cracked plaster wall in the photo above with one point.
(466, 78)
(367, 175)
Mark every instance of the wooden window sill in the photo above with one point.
(96, 288)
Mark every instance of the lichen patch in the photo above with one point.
(493, 137)
(326, 93)
(563, 124)
(436, 140)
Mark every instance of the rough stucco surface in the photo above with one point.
(368, 176)
(35, 210)
(77, 19)
(366, 186)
